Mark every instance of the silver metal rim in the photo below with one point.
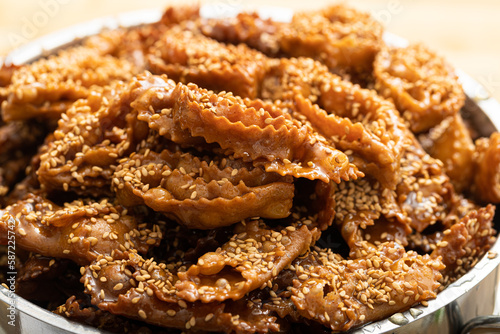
(49, 43)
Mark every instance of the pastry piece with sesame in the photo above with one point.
(201, 193)
(376, 137)
(486, 186)
(247, 28)
(385, 134)
(423, 86)
(344, 293)
(450, 142)
(463, 244)
(145, 290)
(80, 230)
(374, 154)
(424, 198)
(48, 87)
(344, 39)
(250, 130)
(188, 57)
(355, 120)
(133, 44)
(425, 193)
(251, 258)
(91, 136)
(365, 211)
(39, 278)
(79, 309)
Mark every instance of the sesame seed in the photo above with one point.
(142, 314)
(442, 244)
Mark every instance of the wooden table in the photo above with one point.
(465, 32)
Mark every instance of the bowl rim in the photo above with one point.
(62, 38)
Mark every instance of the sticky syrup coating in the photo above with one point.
(241, 175)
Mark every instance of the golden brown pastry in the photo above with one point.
(90, 138)
(145, 290)
(245, 129)
(48, 87)
(450, 142)
(486, 186)
(344, 39)
(423, 86)
(200, 193)
(464, 243)
(188, 57)
(295, 82)
(248, 261)
(342, 294)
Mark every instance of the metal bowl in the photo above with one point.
(473, 301)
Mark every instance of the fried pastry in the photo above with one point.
(486, 186)
(295, 82)
(268, 136)
(232, 176)
(90, 138)
(199, 193)
(342, 38)
(451, 143)
(132, 292)
(423, 86)
(343, 293)
(48, 87)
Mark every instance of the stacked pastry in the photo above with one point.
(241, 175)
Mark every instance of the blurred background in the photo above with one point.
(466, 32)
